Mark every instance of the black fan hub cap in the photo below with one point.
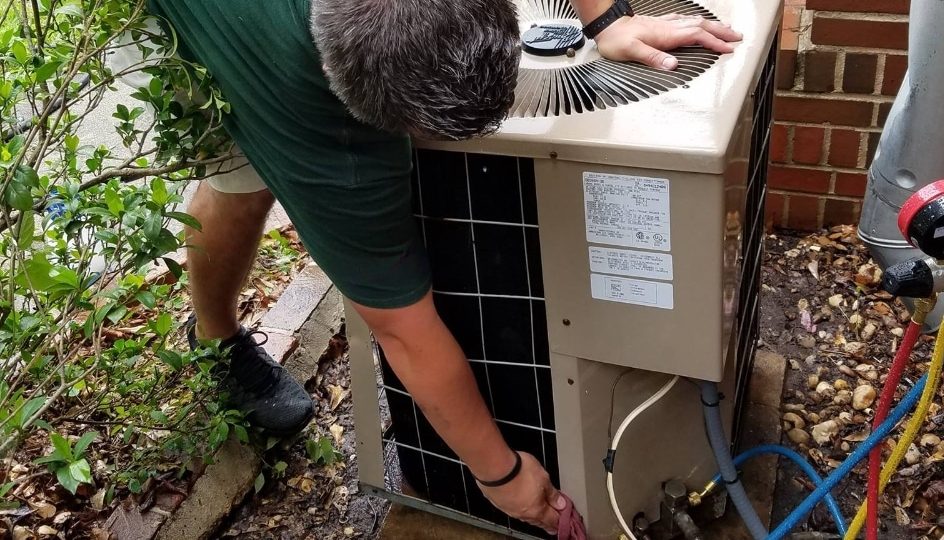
(552, 39)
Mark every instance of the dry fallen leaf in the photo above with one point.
(901, 516)
(98, 500)
(46, 530)
(44, 509)
(337, 395)
(337, 431)
(813, 267)
(302, 483)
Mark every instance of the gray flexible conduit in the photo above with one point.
(711, 400)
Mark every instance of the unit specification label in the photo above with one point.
(630, 211)
(624, 262)
(632, 291)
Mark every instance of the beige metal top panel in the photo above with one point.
(687, 129)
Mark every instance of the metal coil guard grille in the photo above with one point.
(602, 83)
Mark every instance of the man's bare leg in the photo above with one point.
(222, 253)
(219, 260)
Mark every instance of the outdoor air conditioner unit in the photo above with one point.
(609, 236)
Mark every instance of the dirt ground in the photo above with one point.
(821, 309)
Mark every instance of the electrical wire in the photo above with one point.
(611, 454)
(911, 430)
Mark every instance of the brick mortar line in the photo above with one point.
(863, 153)
(869, 16)
(822, 168)
(831, 196)
(791, 123)
(791, 140)
(837, 96)
(880, 73)
(825, 47)
(839, 71)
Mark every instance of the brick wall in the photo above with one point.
(841, 63)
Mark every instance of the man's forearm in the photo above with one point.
(434, 369)
(588, 10)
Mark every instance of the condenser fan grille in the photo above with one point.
(602, 83)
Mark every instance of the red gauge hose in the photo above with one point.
(884, 406)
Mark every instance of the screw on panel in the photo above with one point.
(571, 52)
(566, 322)
(553, 155)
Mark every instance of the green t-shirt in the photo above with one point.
(345, 185)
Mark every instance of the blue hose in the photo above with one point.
(804, 465)
(710, 399)
(860, 453)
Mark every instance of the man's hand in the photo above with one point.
(530, 497)
(644, 39)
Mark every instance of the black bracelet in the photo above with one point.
(620, 8)
(507, 478)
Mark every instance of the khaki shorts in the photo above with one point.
(241, 176)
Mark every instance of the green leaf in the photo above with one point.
(260, 482)
(61, 444)
(5, 488)
(20, 52)
(81, 471)
(47, 70)
(30, 409)
(72, 142)
(321, 451)
(113, 200)
(219, 434)
(117, 314)
(279, 468)
(66, 480)
(186, 219)
(54, 457)
(18, 194)
(6, 37)
(72, 10)
(163, 324)
(156, 87)
(27, 176)
(26, 230)
(171, 358)
(173, 266)
(152, 227)
(146, 298)
(82, 444)
(159, 192)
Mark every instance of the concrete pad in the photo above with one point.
(405, 522)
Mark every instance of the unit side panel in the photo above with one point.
(633, 265)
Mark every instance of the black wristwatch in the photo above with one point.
(620, 8)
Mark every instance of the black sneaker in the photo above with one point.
(259, 386)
